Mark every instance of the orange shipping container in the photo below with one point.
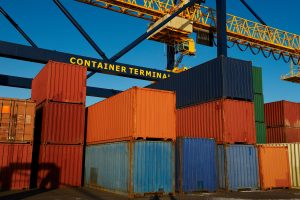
(60, 82)
(283, 135)
(274, 169)
(133, 114)
(227, 121)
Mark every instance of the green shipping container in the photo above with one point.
(261, 135)
(257, 80)
(259, 108)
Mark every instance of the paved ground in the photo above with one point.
(90, 194)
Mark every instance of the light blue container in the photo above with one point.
(135, 168)
(196, 167)
(238, 167)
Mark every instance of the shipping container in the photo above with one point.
(60, 82)
(227, 121)
(282, 113)
(274, 169)
(59, 166)
(283, 134)
(16, 120)
(133, 114)
(61, 123)
(196, 167)
(257, 80)
(261, 133)
(238, 167)
(259, 108)
(219, 78)
(135, 168)
(15, 166)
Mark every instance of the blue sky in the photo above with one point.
(50, 29)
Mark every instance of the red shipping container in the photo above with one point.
(227, 121)
(60, 166)
(15, 166)
(60, 82)
(282, 113)
(283, 135)
(61, 123)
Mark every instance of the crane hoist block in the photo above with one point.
(175, 31)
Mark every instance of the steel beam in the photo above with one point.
(221, 28)
(19, 82)
(253, 12)
(170, 57)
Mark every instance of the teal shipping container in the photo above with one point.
(261, 133)
(259, 108)
(257, 80)
(238, 167)
(135, 168)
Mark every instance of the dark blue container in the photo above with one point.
(219, 78)
(196, 165)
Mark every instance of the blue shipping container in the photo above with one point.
(196, 168)
(238, 167)
(132, 167)
(219, 78)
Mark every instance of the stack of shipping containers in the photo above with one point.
(59, 91)
(130, 143)
(16, 139)
(283, 122)
(215, 100)
(259, 106)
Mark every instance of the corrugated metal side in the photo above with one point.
(274, 169)
(283, 134)
(60, 82)
(196, 165)
(153, 167)
(259, 108)
(16, 120)
(135, 113)
(60, 166)
(15, 166)
(227, 121)
(107, 166)
(261, 133)
(215, 79)
(282, 113)
(257, 80)
(238, 167)
(62, 123)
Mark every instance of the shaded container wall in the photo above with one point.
(257, 80)
(60, 82)
(133, 167)
(16, 120)
(227, 121)
(196, 167)
(15, 166)
(283, 134)
(135, 113)
(219, 78)
(238, 167)
(282, 113)
(261, 133)
(59, 166)
(274, 169)
(61, 123)
(294, 161)
(259, 108)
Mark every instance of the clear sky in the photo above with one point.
(50, 29)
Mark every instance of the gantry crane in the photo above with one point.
(200, 19)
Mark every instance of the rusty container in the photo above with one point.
(16, 120)
(60, 82)
(274, 168)
(226, 120)
(283, 135)
(15, 166)
(59, 166)
(137, 113)
(282, 113)
(60, 123)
